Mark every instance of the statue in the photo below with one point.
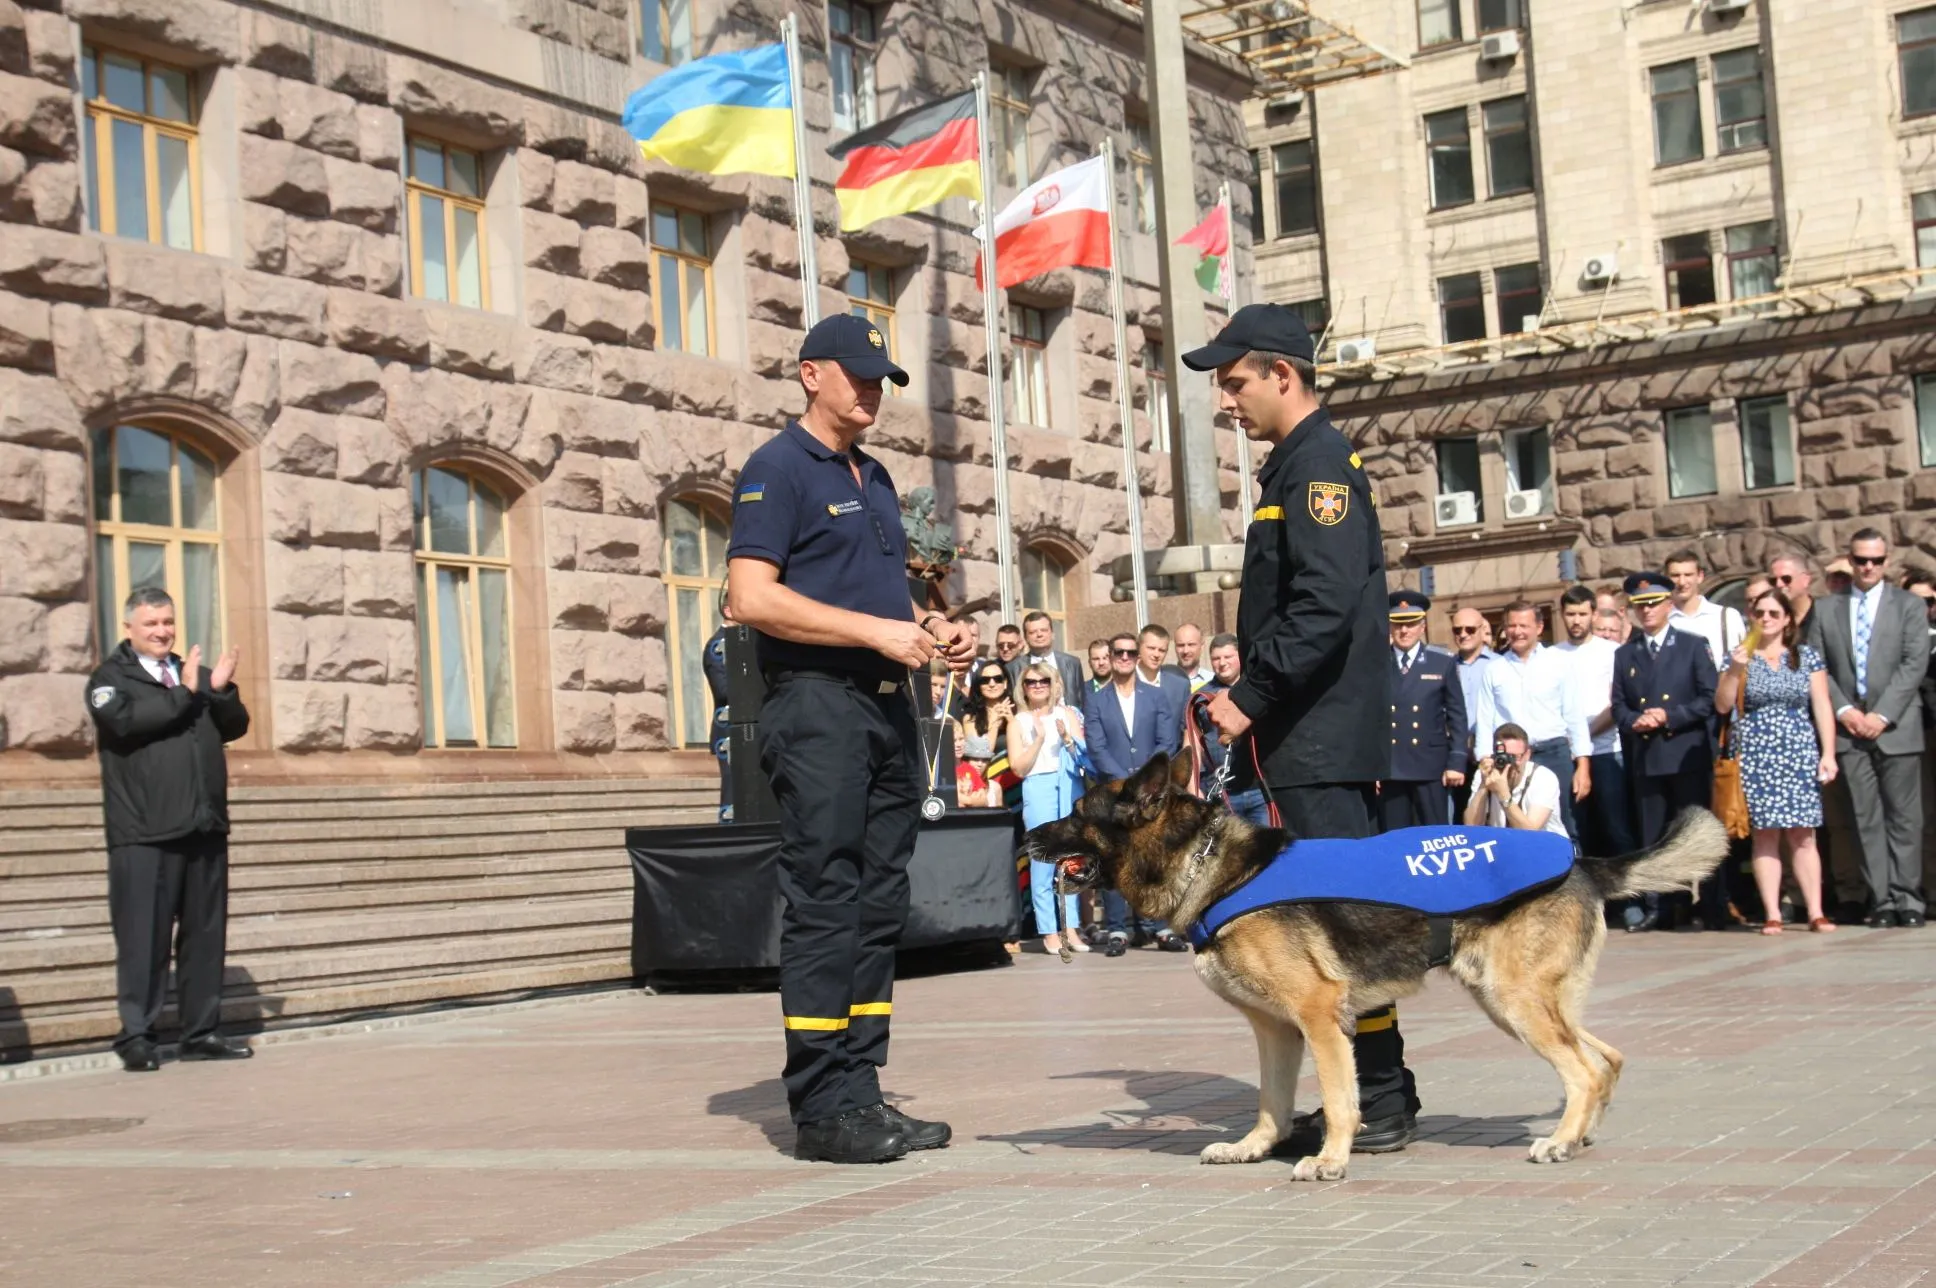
(931, 547)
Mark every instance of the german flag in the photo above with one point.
(909, 161)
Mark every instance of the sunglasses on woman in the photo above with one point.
(994, 679)
(1035, 684)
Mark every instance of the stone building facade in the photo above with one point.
(366, 330)
(1604, 279)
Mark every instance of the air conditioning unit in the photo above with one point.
(1727, 6)
(1525, 504)
(1529, 321)
(1603, 267)
(1290, 98)
(1363, 349)
(1500, 46)
(1454, 508)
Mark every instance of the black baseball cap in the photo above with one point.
(1269, 328)
(856, 344)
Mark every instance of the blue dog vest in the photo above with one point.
(1437, 871)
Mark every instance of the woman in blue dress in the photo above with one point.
(1785, 738)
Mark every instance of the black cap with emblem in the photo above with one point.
(856, 344)
(1255, 328)
(1405, 606)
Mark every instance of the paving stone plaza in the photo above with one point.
(1774, 1127)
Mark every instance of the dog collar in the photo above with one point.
(1193, 866)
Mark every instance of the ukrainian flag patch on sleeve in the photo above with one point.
(752, 492)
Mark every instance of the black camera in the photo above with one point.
(1502, 761)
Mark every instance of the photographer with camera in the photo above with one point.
(1513, 791)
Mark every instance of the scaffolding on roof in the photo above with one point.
(1786, 304)
(1291, 48)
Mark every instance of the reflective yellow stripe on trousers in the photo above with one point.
(826, 1023)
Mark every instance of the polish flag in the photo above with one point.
(1059, 221)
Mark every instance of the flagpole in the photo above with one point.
(1132, 481)
(991, 305)
(802, 178)
(1245, 485)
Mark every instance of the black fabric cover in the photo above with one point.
(707, 898)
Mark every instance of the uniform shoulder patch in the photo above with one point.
(1356, 462)
(99, 697)
(1329, 502)
(751, 492)
(1264, 512)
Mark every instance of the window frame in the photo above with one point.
(1464, 116)
(1473, 304)
(1784, 451)
(1671, 267)
(1141, 162)
(703, 507)
(97, 145)
(1050, 569)
(104, 446)
(424, 562)
(1496, 138)
(1296, 182)
(1156, 395)
(1515, 9)
(1455, 29)
(861, 52)
(1924, 390)
(1919, 222)
(1770, 251)
(686, 260)
(1507, 441)
(1511, 322)
(1009, 109)
(416, 191)
(1478, 490)
(877, 309)
(1655, 99)
(1256, 183)
(667, 46)
(1725, 130)
(1670, 419)
(1028, 362)
(1904, 50)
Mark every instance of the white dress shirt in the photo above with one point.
(1720, 626)
(1538, 789)
(1593, 679)
(1874, 596)
(1536, 693)
(156, 666)
(1127, 701)
(1472, 683)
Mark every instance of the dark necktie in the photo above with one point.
(1404, 663)
(1653, 648)
(168, 680)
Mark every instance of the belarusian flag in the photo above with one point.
(1212, 238)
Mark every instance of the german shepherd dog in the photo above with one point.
(1302, 973)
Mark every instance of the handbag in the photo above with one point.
(1730, 799)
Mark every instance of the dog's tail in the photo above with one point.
(1693, 847)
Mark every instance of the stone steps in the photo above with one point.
(344, 898)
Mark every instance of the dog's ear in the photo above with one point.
(1183, 773)
(1148, 786)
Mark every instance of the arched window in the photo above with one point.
(1043, 574)
(157, 523)
(463, 610)
(695, 570)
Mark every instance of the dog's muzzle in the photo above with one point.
(1078, 872)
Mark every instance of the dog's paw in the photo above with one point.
(1551, 1149)
(1231, 1151)
(1314, 1168)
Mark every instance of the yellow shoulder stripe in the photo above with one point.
(1268, 512)
(1356, 464)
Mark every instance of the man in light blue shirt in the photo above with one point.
(1470, 635)
(1532, 686)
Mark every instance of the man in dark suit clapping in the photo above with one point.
(1663, 705)
(1874, 640)
(1128, 722)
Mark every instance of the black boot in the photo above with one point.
(857, 1136)
(919, 1134)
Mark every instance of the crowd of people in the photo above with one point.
(1603, 735)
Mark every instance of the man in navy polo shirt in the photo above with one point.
(817, 566)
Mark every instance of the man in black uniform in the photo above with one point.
(1311, 623)
(1428, 722)
(817, 566)
(162, 721)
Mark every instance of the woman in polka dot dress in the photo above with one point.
(1786, 741)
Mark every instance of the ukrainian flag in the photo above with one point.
(727, 114)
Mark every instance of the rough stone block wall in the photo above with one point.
(295, 346)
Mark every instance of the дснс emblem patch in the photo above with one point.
(1330, 502)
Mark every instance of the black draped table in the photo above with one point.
(707, 899)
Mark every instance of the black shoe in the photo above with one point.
(857, 1136)
(1171, 942)
(1118, 945)
(1648, 921)
(214, 1046)
(139, 1056)
(919, 1134)
(1882, 919)
(1909, 920)
(1376, 1136)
